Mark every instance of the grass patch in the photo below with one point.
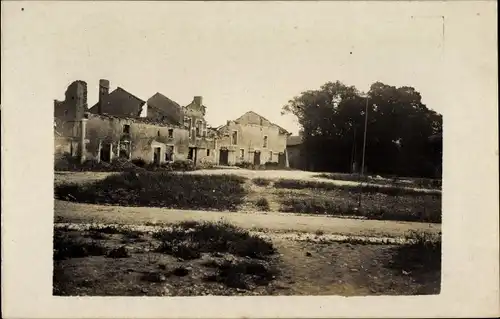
(324, 206)
(341, 176)
(261, 181)
(189, 240)
(428, 183)
(364, 188)
(263, 204)
(422, 254)
(160, 189)
(243, 274)
(66, 246)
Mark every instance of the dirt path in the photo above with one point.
(88, 213)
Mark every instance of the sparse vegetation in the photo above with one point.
(242, 274)
(265, 166)
(66, 246)
(261, 181)
(325, 206)
(188, 240)
(370, 188)
(263, 204)
(69, 163)
(422, 254)
(160, 189)
(428, 183)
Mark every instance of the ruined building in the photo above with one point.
(253, 139)
(159, 130)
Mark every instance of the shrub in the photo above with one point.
(242, 274)
(160, 189)
(213, 237)
(311, 206)
(66, 247)
(261, 181)
(263, 204)
(183, 165)
(69, 163)
(203, 164)
(120, 252)
(322, 206)
(422, 252)
(246, 165)
(371, 189)
(341, 176)
(139, 162)
(428, 183)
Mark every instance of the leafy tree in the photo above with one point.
(398, 130)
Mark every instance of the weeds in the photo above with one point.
(261, 181)
(190, 240)
(242, 274)
(323, 206)
(66, 247)
(364, 188)
(421, 254)
(160, 189)
(428, 183)
(263, 204)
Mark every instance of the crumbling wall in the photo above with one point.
(143, 137)
(250, 138)
(74, 105)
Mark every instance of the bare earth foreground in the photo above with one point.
(315, 255)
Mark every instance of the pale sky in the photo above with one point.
(239, 56)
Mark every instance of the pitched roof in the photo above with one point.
(255, 113)
(121, 102)
(167, 107)
(293, 140)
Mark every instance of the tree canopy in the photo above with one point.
(401, 130)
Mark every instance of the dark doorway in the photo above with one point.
(224, 157)
(192, 154)
(105, 153)
(256, 158)
(124, 150)
(169, 153)
(156, 155)
(281, 160)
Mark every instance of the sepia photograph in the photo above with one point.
(258, 178)
(239, 149)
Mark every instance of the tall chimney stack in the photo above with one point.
(103, 93)
(198, 100)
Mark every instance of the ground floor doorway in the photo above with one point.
(256, 158)
(105, 155)
(223, 157)
(192, 154)
(281, 159)
(157, 155)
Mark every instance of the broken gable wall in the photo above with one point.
(251, 130)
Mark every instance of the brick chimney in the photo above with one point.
(103, 93)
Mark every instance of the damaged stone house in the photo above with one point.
(251, 138)
(159, 130)
(114, 127)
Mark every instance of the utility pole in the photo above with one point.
(364, 139)
(364, 151)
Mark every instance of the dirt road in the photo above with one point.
(70, 212)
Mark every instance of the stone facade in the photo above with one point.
(168, 132)
(251, 138)
(105, 137)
